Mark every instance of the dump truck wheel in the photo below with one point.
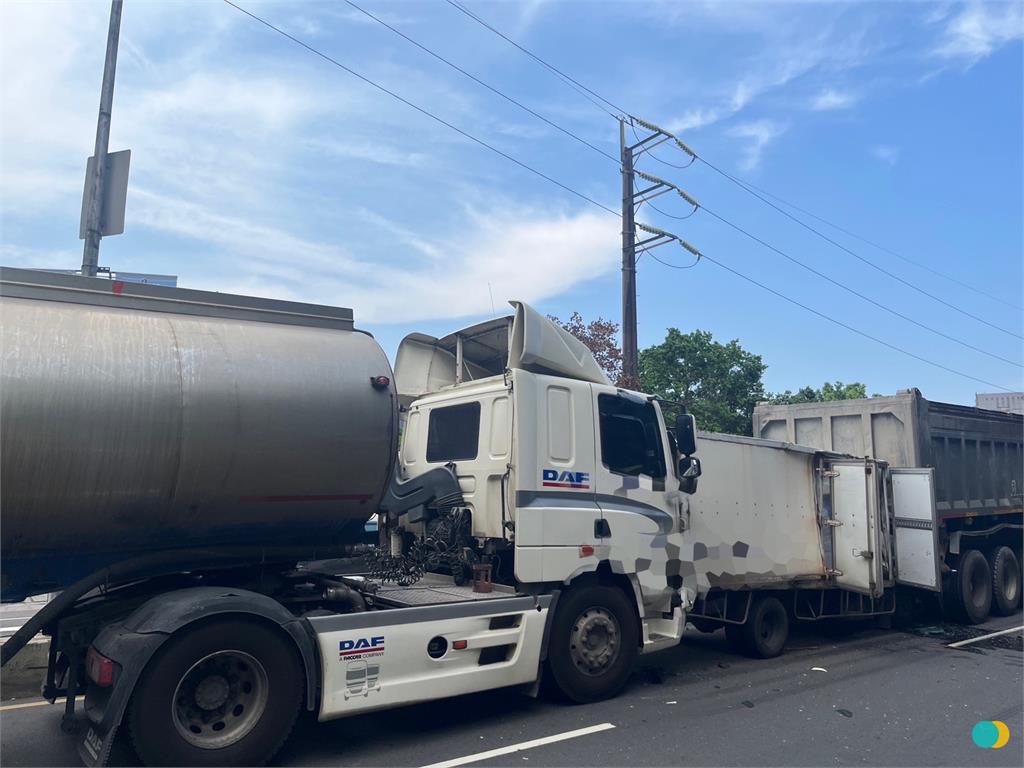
(1005, 581)
(224, 693)
(594, 641)
(970, 594)
(767, 628)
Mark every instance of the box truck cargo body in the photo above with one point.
(975, 461)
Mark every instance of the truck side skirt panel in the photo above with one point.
(418, 655)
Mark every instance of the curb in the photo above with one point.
(24, 675)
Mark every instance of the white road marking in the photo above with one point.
(521, 746)
(985, 637)
(28, 704)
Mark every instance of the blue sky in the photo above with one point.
(259, 168)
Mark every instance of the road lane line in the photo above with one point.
(521, 746)
(43, 703)
(985, 637)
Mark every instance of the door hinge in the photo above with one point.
(833, 572)
(833, 523)
(601, 529)
(829, 472)
(867, 554)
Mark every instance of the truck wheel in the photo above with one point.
(594, 641)
(1005, 581)
(971, 588)
(225, 693)
(767, 628)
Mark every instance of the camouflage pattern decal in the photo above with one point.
(753, 521)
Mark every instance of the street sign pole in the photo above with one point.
(94, 187)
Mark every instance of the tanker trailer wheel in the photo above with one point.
(970, 593)
(594, 641)
(767, 628)
(1005, 581)
(224, 693)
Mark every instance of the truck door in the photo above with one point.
(637, 490)
(917, 545)
(854, 527)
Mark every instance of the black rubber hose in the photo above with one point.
(144, 566)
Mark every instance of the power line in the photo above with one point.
(697, 205)
(854, 292)
(420, 109)
(567, 79)
(853, 329)
(696, 261)
(491, 88)
(856, 255)
(423, 111)
(919, 264)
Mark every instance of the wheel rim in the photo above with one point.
(595, 641)
(977, 588)
(220, 699)
(767, 627)
(1011, 582)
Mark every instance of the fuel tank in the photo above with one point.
(138, 418)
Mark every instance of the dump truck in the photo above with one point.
(965, 539)
(192, 473)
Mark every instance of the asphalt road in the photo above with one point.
(884, 698)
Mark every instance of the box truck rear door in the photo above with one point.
(853, 527)
(917, 545)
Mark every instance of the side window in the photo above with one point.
(630, 437)
(453, 433)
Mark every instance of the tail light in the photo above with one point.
(99, 668)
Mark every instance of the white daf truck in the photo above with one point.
(168, 447)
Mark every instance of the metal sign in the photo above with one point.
(115, 193)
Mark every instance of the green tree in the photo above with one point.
(599, 336)
(718, 383)
(828, 392)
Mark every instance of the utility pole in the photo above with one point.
(95, 191)
(631, 201)
(630, 363)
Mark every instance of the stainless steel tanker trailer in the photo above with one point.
(143, 420)
(192, 472)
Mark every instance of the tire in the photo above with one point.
(1006, 588)
(767, 628)
(594, 641)
(970, 593)
(240, 675)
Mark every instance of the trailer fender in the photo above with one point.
(133, 642)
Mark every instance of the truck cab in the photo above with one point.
(564, 475)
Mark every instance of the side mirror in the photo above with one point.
(689, 466)
(689, 471)
(686, 434)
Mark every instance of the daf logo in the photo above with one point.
(363, 646)
(552, 478)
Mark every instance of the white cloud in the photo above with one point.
(887, 153)
(370, 151)
(523, 253)
(758, 134)
(980, 29)
(831, 99)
